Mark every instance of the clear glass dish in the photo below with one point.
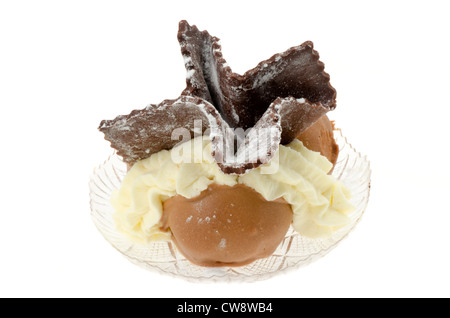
(295, 251)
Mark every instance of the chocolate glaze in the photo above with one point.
(320, 137)
(226, 226)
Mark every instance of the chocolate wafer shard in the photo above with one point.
(297, 74)
(147, 131)
(269, 105)
(255, 147)
(144, 132)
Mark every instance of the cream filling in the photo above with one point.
(320, 203)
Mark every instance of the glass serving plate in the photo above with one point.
(294, 251)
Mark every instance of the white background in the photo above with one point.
(66, 65)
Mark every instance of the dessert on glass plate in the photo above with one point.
(240, 177)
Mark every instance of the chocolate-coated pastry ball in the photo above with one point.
(226, 226)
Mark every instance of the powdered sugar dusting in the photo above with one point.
(189, 74)
(223, 243)
(234, 114)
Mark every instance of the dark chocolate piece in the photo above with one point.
(296, 76)
(278, 99)
(144, 132)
